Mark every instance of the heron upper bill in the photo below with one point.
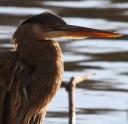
(77, 32)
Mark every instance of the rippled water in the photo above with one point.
(103, 99)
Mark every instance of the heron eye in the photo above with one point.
(50, 28)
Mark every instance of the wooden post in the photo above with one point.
(71, 89)
(72, 101)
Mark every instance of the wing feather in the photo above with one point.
(6, 66)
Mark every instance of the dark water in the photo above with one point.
(103, 99)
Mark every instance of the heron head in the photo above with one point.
(48, 26)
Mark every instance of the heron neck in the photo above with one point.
(34, 52)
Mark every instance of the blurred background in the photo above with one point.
(103, 99)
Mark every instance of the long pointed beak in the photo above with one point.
(77, 32)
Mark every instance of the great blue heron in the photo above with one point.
(31, 73)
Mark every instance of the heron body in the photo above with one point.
(31, 74)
